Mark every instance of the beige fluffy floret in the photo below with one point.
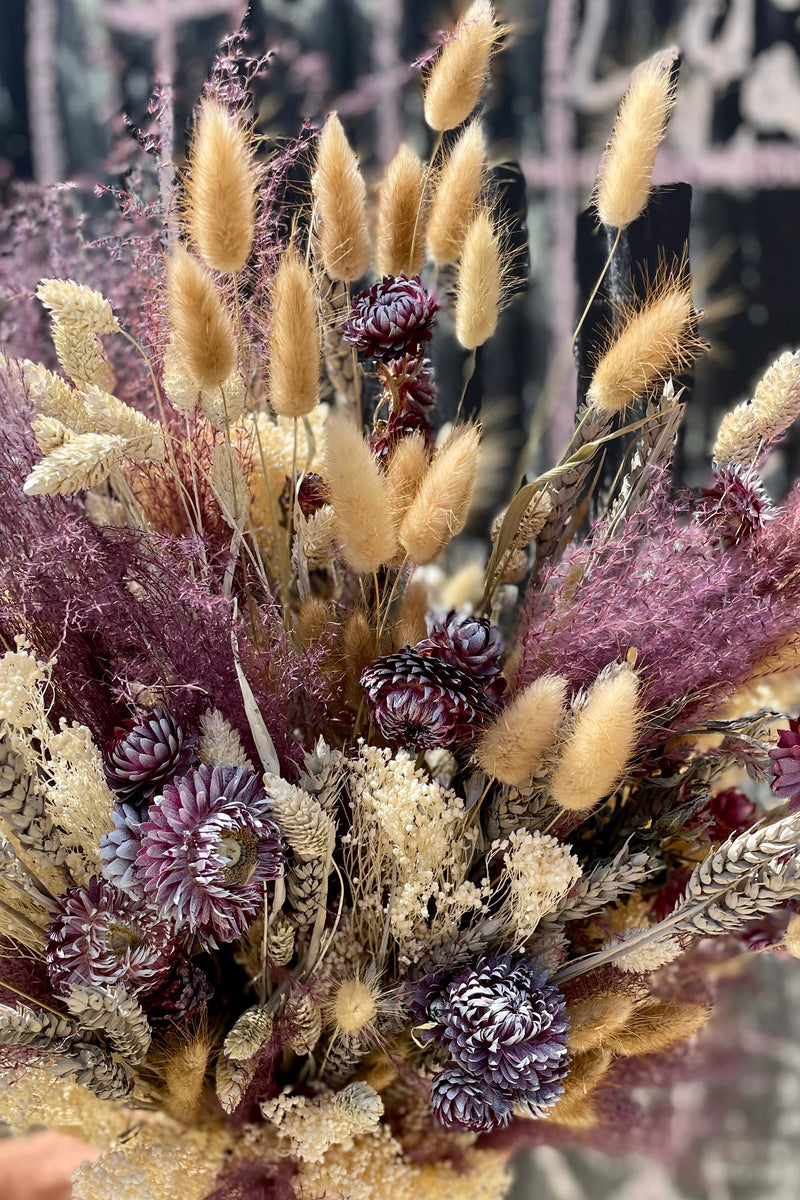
(295, 341)
(538, 870)
(479, 287)
(401, 215)
(202, 329)
(221, 188)
(359, 497)
(340, 205)
(513, 746)
(455, 81)
(457, 193)
(441, 505)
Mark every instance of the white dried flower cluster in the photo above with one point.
(219, 744)
(79, 798)
(410, 840)
(539, 870)
(311, 1127)
(644, 956)
(22, 678)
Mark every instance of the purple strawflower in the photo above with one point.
(737, 501)
(186, 990)
(208, 845)
(462, 1102)
(422, 701)
(143, 757)
(400, 425)
(119, 848)
(395, 317)
(416, 387)
(100, 936)
(786, 763)
(471, 643)
(502, 1022)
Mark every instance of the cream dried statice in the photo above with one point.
(208, 845)
(538, 871)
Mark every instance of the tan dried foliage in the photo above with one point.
(601, 744)
(440, 507)
(479, 287)
(401, 215)
(457, 193)
(295, 339)
(455, 81)
(221, 188)
(655, 342)
(358, 495)
(340, 202)
(623, 184)
(513, 746)
(658, 1025)
(358, 651)
(202, 329)
(404, 475)
(594, 1019)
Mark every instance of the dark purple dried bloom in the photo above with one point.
(186, 990)
(730, 812)
(425, 702)
(400, 425)
(416, 386)
(118, 850)
(786, 763)
(208, 845)
(471, 643)
(461, 1101)
(737, 501)
(502, 1022)
(147, 755)
(100, 936)
(395, 317)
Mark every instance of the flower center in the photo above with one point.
(238, 852)
(122, 938)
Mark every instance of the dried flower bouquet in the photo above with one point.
(327, 872)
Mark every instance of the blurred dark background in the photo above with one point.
(70, 68)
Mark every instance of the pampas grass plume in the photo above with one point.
(455, 82)
(657, 1026)
(479, 287)
(295, 340)
(440, 507)
(456, 195)
(221, 192)
(340, 199)
(602, 741)
(202, 329)
(623, 184)
(654, 343)
(514, 744)
(359, 497)
(401, 215)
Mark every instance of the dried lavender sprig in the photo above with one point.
(117, 1015)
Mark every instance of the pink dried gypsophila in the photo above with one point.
(700, 616)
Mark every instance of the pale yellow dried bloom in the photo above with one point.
(340, 205)
(595, 1018)
(73, 304)
(479, 286)
(655, 342)
(404, 474)
(180, 387)
(603, 739)
(739, 439)
(513, 746)
(302, 820)
(311, 1127)
(229, 484)
(78, 797)
(648, 956)
(82, 357)
(353, 1005)
(481, 1175)
(107, 414)
(776, 402)
(455, 81)
(184, 1070)
(358, 495)
(219, 743)
(221, 188)
(304, 1016)
(53, 397)
(538, 871)
(401, 215)
(36, 1097)
(295, 339)
(657, 1025)
(82, 462)
(791, 939)
(202, 328)
(49, 433)
(317, 535)
(457, 193)
(22, 678)
(439, 509)
(224, 406)
(372, 1166)
(531, 523)
(160, 1163)
(623, 184)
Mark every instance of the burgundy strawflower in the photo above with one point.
(731, 811)
(399, 425)
(312, 494)
(786, 763)
(471, 643)
(461, 1102)
(208, 845)
(119, 848)
(145, 756)
(503, 1023)
(101, 937)
(395, 317)
(416, 386)
(737, 501)
(420, 700)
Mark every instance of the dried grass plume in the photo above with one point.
(401, 215)
(455, 82)
(202, 329)
(440, 507)
(359, 497)
(221, 189)
(479, 288)
(514, 744)
(295, 341)
(457, 193)
(340, 199)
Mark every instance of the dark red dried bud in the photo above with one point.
(395, 317)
